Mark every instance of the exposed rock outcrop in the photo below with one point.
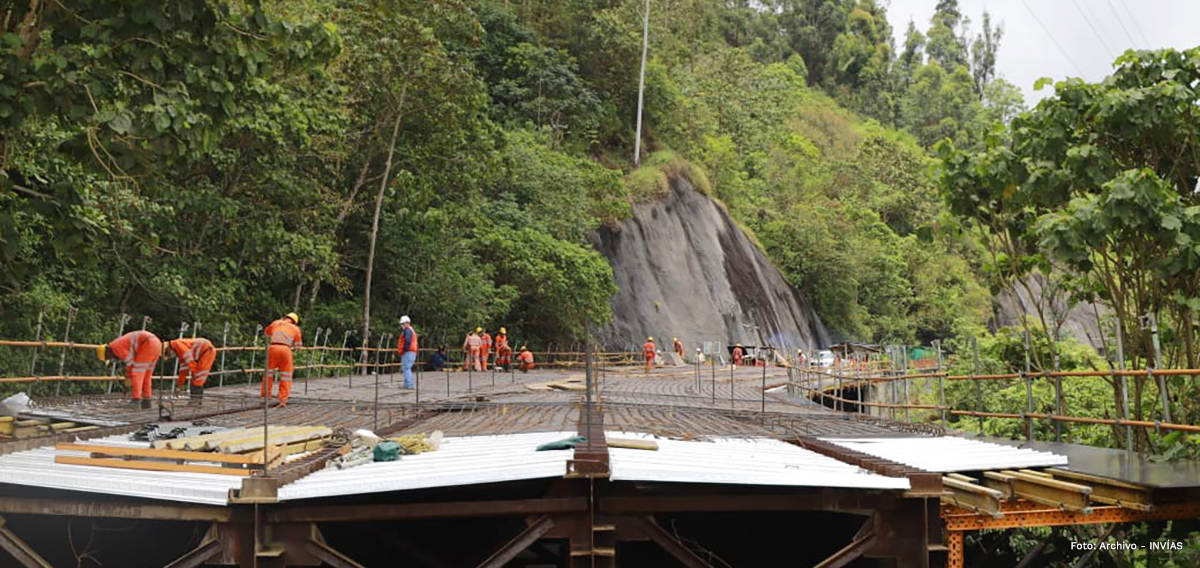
(685, 269)
(1079, 323)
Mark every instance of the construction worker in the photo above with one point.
(471, 347)
(678, 347)
(525, 359)
(648, 352)
(485, 346)
(139, 350)
(196, 357)
(407, 347)
(284, 336)
(737, 355)
(503, 351)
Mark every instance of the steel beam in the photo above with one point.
(1055, 517)
(197, 556)
(330, 555)
(523, 540)
(1044, 489)
(669, 543)
(972, 497)
(115, 509)
(15, 547)
(417, 511)
(1110, 491)
(850, 552)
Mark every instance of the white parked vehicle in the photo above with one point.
(825, 358)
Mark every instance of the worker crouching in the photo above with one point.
(140, 351)
(525, 359)
(196, 357)
(284, 335)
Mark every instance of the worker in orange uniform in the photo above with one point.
(525, 359)
(737, 355)
(678, 346)
(648, 352)
(503, 351)
(471, 347)
(485, 346)
(284, 336)
(196, 357)
(408, 348)
(140, 351)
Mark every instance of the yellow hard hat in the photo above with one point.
(674, 339)
(649, 339)
(292, 316)
(479, 330)
(102, 352)
(502, 330)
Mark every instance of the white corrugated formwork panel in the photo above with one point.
(948, 454)
(36, 468)
(467, 460)
(740, 461)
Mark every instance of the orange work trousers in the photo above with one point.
(141, 371)
(279, 366)
(473, 359)
(200, 376)
(483, 357)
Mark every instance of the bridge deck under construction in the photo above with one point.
(725, 443)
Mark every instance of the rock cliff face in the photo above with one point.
(686, 270)
(1080, 321)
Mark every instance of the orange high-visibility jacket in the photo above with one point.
(501, 343)
(412, 345)
(679, 347)
(485, 344)
(283, 332)
(128, 346)
(737, 354)
(648, 349)
(197, 356)
(525, 356)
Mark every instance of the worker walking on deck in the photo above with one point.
(407, 347)
(471, 347)
(525, 359)
(648, 352)
(196, 357)
(503, 351)
(140, 351)
(284, 336)
(485, 347)
(678, 345)
(737, 355)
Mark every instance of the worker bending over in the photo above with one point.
(503, 351)
(139, 350)
(678, 346)
(648, 352)
(284, 336)
(525, 359)
(196, 358)
(471, 347)
(485, 347)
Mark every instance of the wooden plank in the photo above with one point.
(80, 429)
(55, 427)
(162, 454)
(632, 444)
(150, 466)
(236, 446)
(254, 434)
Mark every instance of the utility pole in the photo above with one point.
(637, 140)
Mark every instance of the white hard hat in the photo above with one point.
(404, 319)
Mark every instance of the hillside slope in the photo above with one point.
(686, 270)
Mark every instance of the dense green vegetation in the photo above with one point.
(215, 161)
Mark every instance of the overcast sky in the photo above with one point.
(1028, 52)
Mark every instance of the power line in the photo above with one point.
(1093, 28)
(1132, 43)
(1136, 25)
(1051, 36)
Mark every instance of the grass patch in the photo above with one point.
(652, 180)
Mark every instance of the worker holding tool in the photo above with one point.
(678, 346)
(139, 350)
(284, 336)
(737, 355)
(471, 346)
(503, 351)
(525, 359)
(196, 357)
(485, 346)
(648, 352)
(407, 347)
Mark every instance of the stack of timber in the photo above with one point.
(238, 451)
(15, 427)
